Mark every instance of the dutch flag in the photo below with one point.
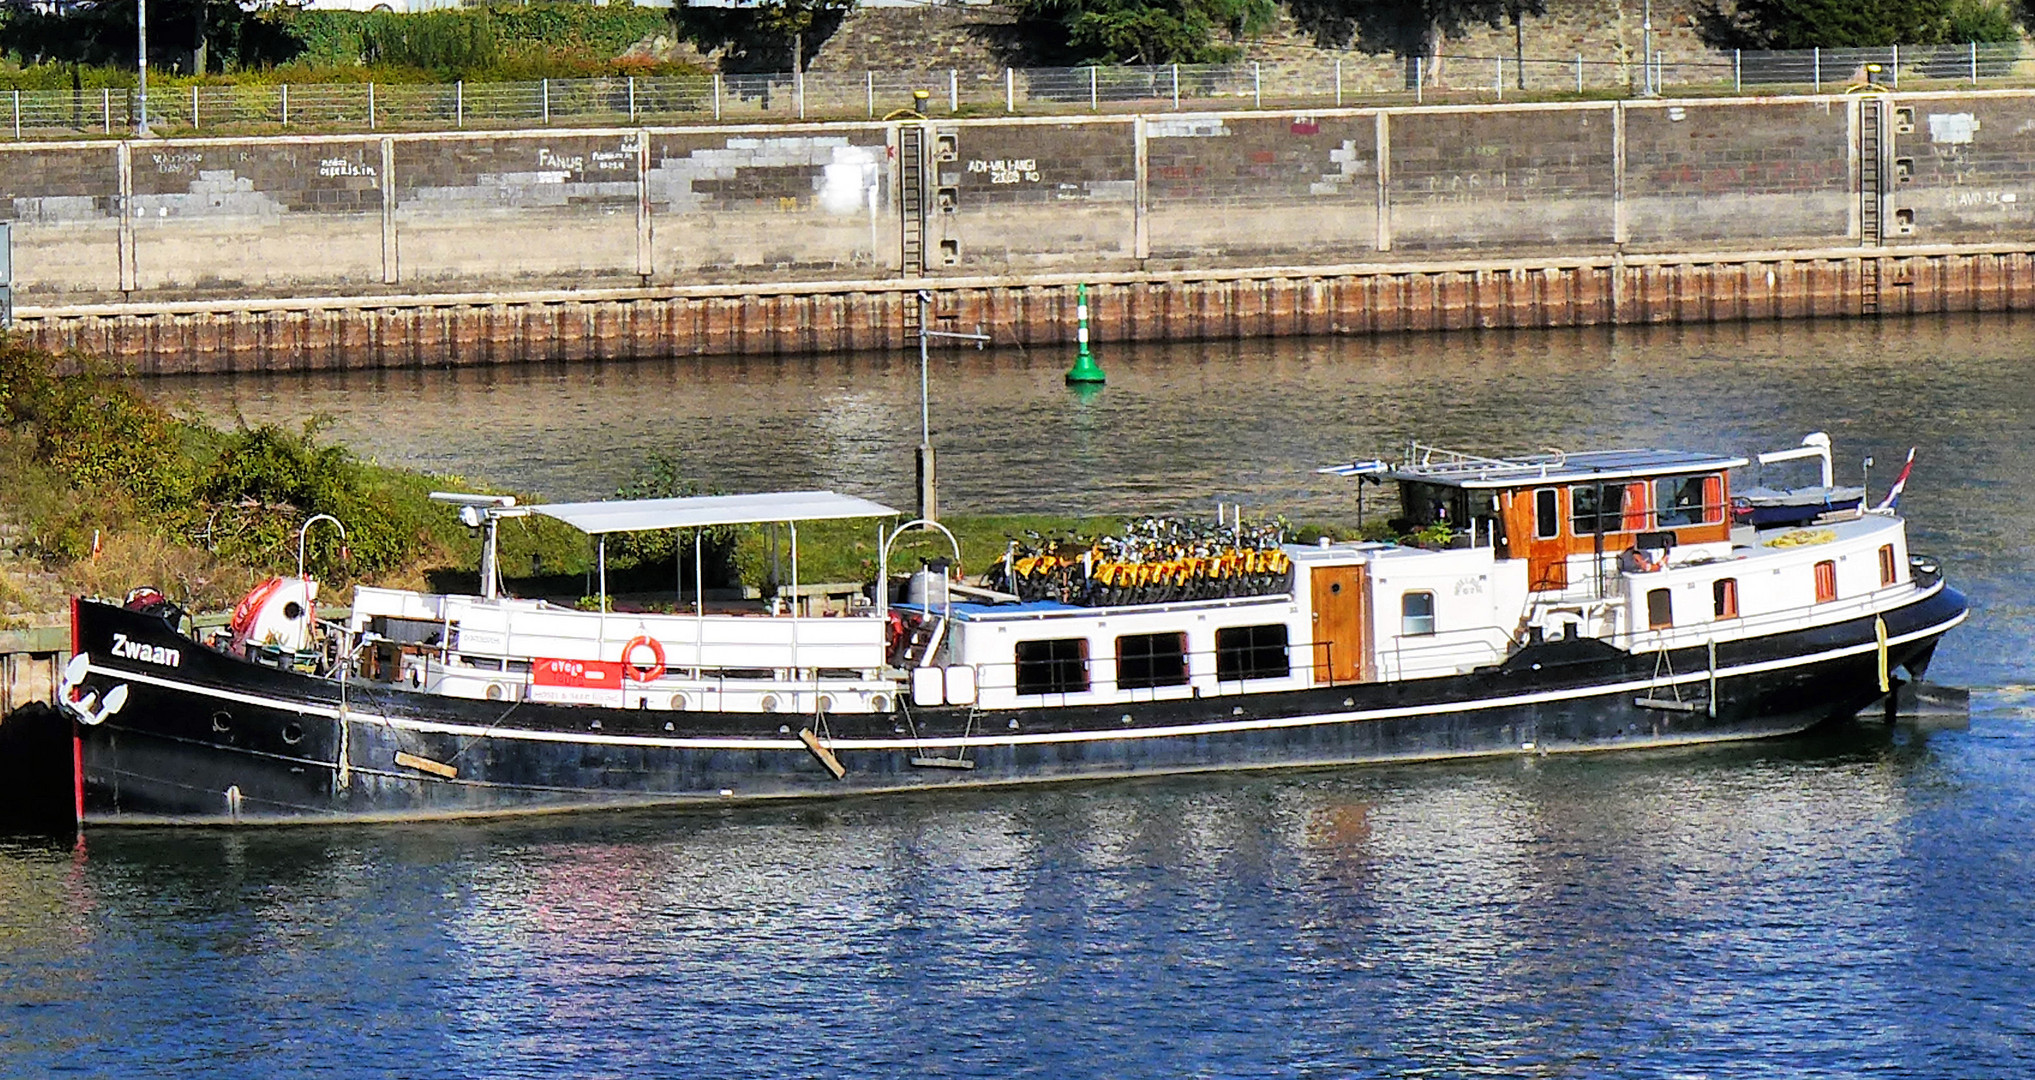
(1893, 498)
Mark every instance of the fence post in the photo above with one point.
(1738, 71)
(194, 108)
(1009, 90)
(370, 106)
(545, 90)
(1094, 103)
(106, 108)
(953, 91)
(1816, 58)
(632, 99)
(798, 87)
(1176, 87)
(1895, 67)
(1419, 78)
(459, 103)
(1974, 63)
(869, 82)
(1338, 82)
(1257, 86)
(717, 95)
(1579, 73)
(285, 104)
(1501, 79)
(17, 113)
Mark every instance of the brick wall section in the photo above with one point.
(1224, 188)
(1772, 173)
(1035, 196)
(1528, 178)
(1971, 167)
(808, 200)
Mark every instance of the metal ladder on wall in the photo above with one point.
(911, 202)
(1871, 198)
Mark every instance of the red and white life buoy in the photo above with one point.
(650, 672)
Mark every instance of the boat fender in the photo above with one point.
(650, 672)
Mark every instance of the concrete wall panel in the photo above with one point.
(1032, 196)
(517, 208)
(818, 201)
(63, 202)
(1969, 164)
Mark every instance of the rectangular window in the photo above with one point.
(1886, 564)
(1680, 500)
(1251, 652)
(1660, 609)
(1547, 514)
(1058, 666)
(1826, 581)
(1588, 515)
(1416, 613)
(1724, 595)
(1144, 661)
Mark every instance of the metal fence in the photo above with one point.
(1314, 83)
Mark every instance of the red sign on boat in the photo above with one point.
(590, 682)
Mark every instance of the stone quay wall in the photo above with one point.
(312, 251)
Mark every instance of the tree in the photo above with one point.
(184, 35)
(1837, 24)
(1408, 28)
(1141, 31)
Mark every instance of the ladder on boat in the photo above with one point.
(1664, 678)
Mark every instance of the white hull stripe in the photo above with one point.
(1211, 728)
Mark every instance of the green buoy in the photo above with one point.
(1085, 369)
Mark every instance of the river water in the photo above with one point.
(1861, 901)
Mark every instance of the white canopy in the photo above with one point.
(703, 511)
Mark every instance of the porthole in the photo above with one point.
(293, 610)
(494, 691)
(678, 701)
(770, 703)
(222, 721)
(826, 703)
(292, 734)
(879, 703)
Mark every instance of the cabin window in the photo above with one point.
(1144, 661)
(1547, 514)
(1826, 581)
(1886, 564)
(1724, 597)
(1678, 500)
(1416, 614)
(1660, 609)
(1251, 652)
(1589, 514)
(1057, 666)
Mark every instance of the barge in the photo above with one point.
(1554, 603)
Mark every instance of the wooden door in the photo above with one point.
(1340, 613)
(1527, 519)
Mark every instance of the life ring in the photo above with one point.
(650, 672)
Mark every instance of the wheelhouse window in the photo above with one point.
(1826, 581)
(1724, 598)
(1547, 514)
(1594, 508)
(1056, 666)
(1251, 652)
(1886, 564)
(1688, 500)
(1416, 614)
(1144, 661)
(1660, 609)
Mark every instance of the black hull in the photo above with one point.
(213, 739)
